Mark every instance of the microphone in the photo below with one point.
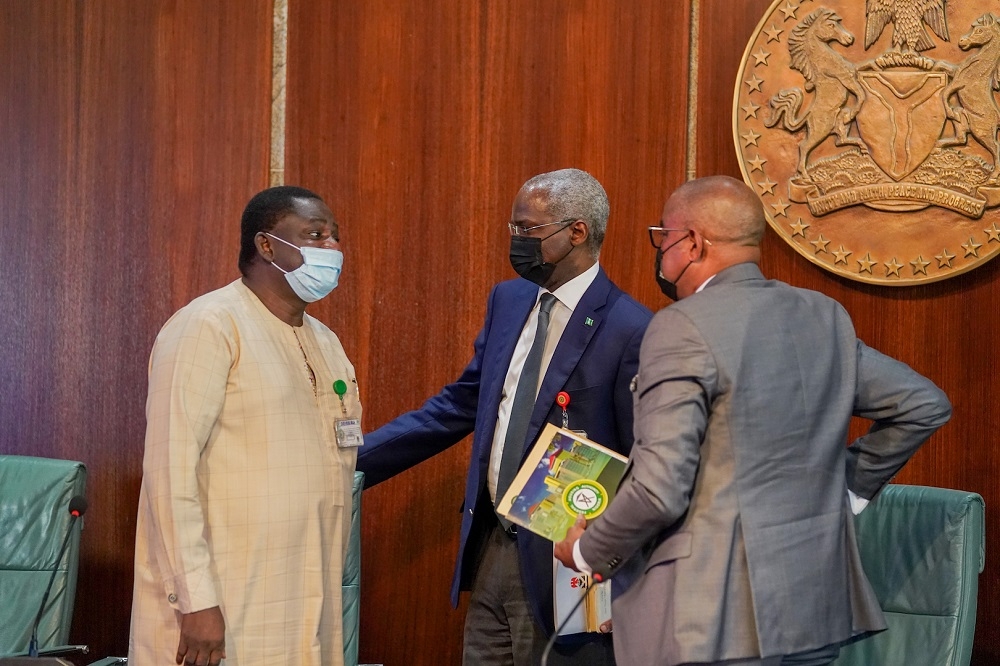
(77, 507)
(597, 578)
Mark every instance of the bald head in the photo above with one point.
(720, 208)
(723, 223)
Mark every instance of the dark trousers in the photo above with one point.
(500, 629)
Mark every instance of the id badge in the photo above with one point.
(349, 433)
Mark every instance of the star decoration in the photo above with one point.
(754, 83)
(799, 229)
(944, 259)
(972, 247)
(750, 137)
(767, 186)
(761, 57)
(841, 255)
(920, 265)
(780, 207)
(750, 109)
(820, 244)
(773, 34)
(892, 267)
(757, 164)
(993, 233)
(789, 11)
(865, 264)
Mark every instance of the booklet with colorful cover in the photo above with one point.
(564, 475)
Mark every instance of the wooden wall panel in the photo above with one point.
(944, 330)
(132, 135)
(419, 122)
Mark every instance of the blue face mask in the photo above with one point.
(319, 273)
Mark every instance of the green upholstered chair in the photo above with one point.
(34, 518)
(923, 550)
(352, 578)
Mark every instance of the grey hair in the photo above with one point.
(577, 194)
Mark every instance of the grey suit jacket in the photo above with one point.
(732, 522)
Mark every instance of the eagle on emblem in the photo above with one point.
(908, 18)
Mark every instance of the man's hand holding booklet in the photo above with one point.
(566, 475)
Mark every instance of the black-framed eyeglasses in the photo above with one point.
(518, 230)
(657, 234)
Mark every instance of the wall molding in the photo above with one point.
(279, 73)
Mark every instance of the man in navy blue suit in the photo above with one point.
(562, 326)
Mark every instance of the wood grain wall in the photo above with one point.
(133, 133)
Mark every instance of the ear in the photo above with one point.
(263, 244)
(580, 232)
(698, 246)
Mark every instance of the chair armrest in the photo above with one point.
(54, 651)
(57, 650)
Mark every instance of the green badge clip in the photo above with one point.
(340, 388)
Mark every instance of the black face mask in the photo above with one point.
(526, 258)
(668, 288)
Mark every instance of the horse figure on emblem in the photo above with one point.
(973, 83)
(830, 75)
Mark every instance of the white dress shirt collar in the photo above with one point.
(570, 293)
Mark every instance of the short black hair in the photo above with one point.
(263, 212)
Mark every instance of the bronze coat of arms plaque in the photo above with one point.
(869, 130)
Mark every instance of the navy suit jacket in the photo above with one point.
(595, 361)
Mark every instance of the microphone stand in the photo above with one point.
(595, 578)
(75, 512)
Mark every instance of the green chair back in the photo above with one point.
(34, 518)
(352, 578)
(923, 550)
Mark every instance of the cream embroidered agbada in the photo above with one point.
(245, 499)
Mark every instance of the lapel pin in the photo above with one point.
(589, 322)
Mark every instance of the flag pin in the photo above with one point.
(589, 322)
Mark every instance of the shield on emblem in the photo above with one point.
(902, 117)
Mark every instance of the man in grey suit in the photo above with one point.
(733, 525)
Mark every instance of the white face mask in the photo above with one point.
(319, 273)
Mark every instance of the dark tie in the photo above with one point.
(524, 403)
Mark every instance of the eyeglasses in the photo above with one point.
(657, 234)
(518, 230)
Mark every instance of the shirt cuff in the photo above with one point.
(578, 560)
(189, 594)
(858, 504)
